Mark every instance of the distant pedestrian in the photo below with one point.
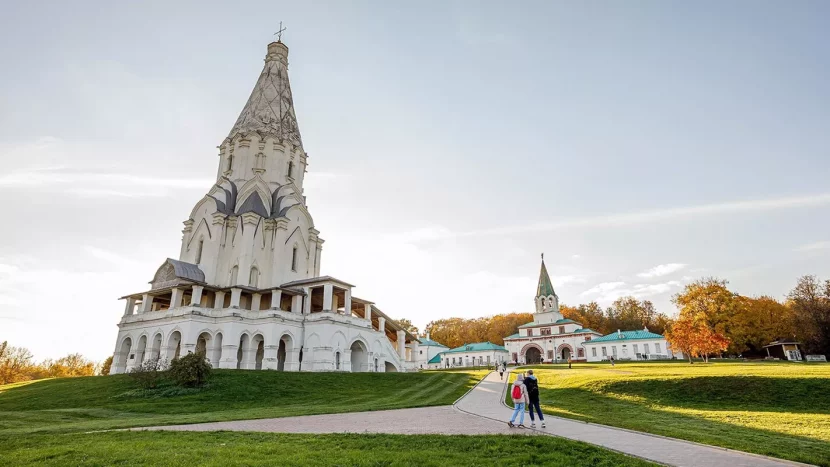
(532, 386)
(569, 363)
(501, 372)
(519, 395)
(612, 360)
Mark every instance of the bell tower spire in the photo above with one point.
(546, 298)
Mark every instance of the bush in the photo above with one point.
(149, 374)
(191, 370)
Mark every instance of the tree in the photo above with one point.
(757, 322)
(708, 300)
(105, 367)
(15, 364)
(455, 332)
(406, 324)
(695, 339)
(71, 365)
(810, 304)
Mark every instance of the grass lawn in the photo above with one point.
(776, 409)
(100, 403)
(48, 422)
(231, 448)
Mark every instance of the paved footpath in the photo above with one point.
(482, 411)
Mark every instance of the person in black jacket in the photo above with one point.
(533, 398)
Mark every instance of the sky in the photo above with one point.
(639, 145)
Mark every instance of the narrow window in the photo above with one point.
(253, 279)
(593, 351)
(530, 332)
(230, 161)
(636, 350)
(561, 329)
(199, 251)
(337, 361)
(614, 350)
(645, 348)
(234, 273)
(290, 169)
(294, 259)
(657, 347)
(604, 352)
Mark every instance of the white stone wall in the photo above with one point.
(464, 359)
(625, 349)
(554, 342)
(321, 337)
(425, 354)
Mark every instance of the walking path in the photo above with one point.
(482, 411)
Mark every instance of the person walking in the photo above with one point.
(569, 363)
(532, 386)
(612, 360)
(501, 372)
(519, 395)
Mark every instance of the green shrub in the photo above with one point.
(150, 373)
(192, 370)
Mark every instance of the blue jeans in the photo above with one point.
(535, 403)
(520, 409)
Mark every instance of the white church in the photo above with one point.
(550, 337)
(246, 289)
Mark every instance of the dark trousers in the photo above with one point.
(535, 403)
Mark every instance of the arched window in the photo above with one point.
(294, 259)
(337, 361)
(199, 251)
(230, 161)
(253, 279)
(290, 169)
(234, 274)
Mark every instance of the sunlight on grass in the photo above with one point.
(779, 409)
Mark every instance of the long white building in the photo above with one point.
(246, 288)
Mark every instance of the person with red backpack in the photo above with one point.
(519, 395)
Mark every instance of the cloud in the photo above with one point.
(610, 291)
(603, 287)
(647, 216)
(822, 245)
(662, 270)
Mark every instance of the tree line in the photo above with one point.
(17, 364)
(711, 320)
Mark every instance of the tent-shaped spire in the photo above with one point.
(545, 287)
(270, 109)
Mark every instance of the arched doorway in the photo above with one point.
(124, 355)
(566, 353)
(202, 343)
(240, 352)
(533, 355)
(258, 343)
(390, 368)
(155, 352)
(216, 354)
(142, 348)
(359, 357)
(174, 345)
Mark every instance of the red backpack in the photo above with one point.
(517, 392)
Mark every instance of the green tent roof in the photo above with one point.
(626, 336)
(545, 286)
(585, 330)
(435, 359)
(425, 341)
(514, 336)
(477, 347)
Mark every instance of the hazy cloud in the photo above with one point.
(662, 270)
(822, 245)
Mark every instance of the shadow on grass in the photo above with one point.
(590, 406)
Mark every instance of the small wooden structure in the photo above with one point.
(784, 349)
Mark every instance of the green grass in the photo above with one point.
(227, 448)
(50, 422)
(775, 409)
(100, 403)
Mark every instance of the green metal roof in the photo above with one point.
(626, 336)
(477, 347)
(425, 341)
(545, 286)
(558, 321)
(585, 330)
(514, 336)
(435, 359)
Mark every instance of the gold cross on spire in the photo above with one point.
(279, 33)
